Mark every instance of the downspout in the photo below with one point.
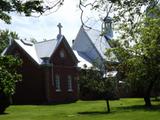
(52, 74)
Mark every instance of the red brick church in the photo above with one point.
(49, 71)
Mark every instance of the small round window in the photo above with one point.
(62, 54)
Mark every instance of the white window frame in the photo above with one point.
(57, 83)
(69, 81)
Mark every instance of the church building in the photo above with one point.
(49, 71)
(90, 48)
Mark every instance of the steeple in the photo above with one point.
(107, 28)
(59, 34)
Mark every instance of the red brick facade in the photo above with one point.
(38, 81)
(63, 67)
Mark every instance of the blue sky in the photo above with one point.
(45, 26)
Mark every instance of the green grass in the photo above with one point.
(124, 109)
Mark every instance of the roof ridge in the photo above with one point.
(92, 29)
(45, 41)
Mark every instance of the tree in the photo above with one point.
(8, 74)
(92, 81)
(8, 79)
(27, 7)
(137, 45)
(140, 61)
(5, 37)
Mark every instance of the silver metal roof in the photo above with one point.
(45, 48)
(39, 50)
(92, 45)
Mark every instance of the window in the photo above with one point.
(57, 83)
(70, 83)
(62, 55)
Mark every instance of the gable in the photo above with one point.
(29, 49)
(16, 50)
(63, 54)
(99, 42)
(82, 42)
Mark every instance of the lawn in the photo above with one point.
(124, 109)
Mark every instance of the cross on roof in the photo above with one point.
(59, 26)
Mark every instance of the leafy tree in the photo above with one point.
(92, 82)
(140, 61)
(8, 74)
(8, 79)
(137, 45)
(5, 37)
(27, 7)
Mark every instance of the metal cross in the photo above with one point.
(59, 26)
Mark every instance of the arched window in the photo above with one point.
(62, 54)
(70, 83)
(57, 83)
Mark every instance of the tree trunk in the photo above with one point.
(108, 107)
(147, 95)
(4, 102)
(147, 101)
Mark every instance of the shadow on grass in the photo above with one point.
(123, 108)
(93, 113)
(3, 114)
(140, 107)
(46, 104)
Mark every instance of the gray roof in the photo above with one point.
(45, 48)
(99, 42)
(40, 50)
(91, 46)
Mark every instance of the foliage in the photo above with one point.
(8, 64)
(27, 7)
(93, 80)
(8, 74)
(139, 59)
(8, 70)
(137, 45)
(94, 85)
(124, 12)
(8, 79)
(5, 37)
